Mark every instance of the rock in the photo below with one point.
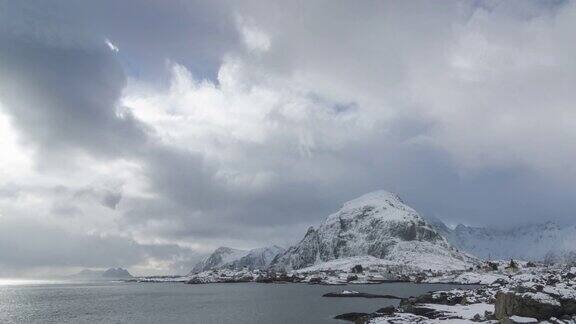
(442, 297)
(352, 278)
(500, 282)
(357, 269)
(421, 311)
(518, 320)
(194, 281)
(492, 266)
(352, 317)
(262, 279)
(539, 306)
(388, 310)
(315, 280)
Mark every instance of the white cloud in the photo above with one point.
(255, 39)
(111, 46)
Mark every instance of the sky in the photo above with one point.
(144, 134)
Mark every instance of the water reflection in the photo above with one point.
(20, 282)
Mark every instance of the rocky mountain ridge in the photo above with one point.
(229, 258)
(549, 241)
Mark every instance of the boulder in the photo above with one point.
(352, 317)
(534, 305)
(388, 310)
(357, 269)
(352, 278)
(518, 320)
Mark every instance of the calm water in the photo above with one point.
(181, 303)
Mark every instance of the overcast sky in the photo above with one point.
(146, 133)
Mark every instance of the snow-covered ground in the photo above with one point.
(523, 293)
(451, 314)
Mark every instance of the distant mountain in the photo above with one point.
(380, 225)
(538, 242)
(112, 273)
(225, 257)
(87, 273)
(116, 273)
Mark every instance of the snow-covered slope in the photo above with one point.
(380, 225)
(218, 258)
(256, 259)
(539, 242)
(225, 257)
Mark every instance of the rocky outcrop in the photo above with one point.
(535, 305)
(218, 258)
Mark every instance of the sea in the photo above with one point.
(41, 301)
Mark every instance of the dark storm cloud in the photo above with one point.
(61, 82)
(64, 98)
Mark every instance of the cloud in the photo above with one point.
(242, 124)
(37, 247)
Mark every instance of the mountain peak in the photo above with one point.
(381, 204)
(375, 199)
(376, 224)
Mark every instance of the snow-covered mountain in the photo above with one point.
(218, 258)
(259, 258)
(539, 242)
(225, 257)
(380, 225)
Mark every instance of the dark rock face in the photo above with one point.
(301, 255)
(352, 317)
(357, 269)
(443, 298)
(363, 318)
(315, 280)
(388, 310)
(214, 260)
(352, 278)
(525, 305)
(194, 281)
